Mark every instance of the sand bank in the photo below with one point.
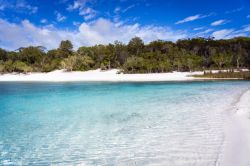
(237, 149)
(97, 75)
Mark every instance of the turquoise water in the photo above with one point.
(176, 123)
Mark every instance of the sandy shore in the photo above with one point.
(237, 150)
(97, 75)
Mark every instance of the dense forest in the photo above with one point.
(134, 57)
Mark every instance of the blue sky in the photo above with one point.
(90, 22)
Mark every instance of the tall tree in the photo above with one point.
(135, 46)
(65, 49)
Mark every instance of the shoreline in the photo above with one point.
(97, 76)
(103, 76)
(237, 141)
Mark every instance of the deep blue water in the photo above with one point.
(175, 123)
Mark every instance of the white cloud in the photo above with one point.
(18, 6)
(87, 13)
(193, 18)
(219, 22)
(60, 17)
(224, 33)
(247, 28)
(77, 4)
(75, 23)
(117, 10)
(24, 5)
(228, 33)
(128, 8)
(2, 6)
(44, 21)
(188, 19)
(234, 10)
(100, 31)
(198, 28)
(80, 5)
(105, 31)
(203, 33)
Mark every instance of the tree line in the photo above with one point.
(134, 57)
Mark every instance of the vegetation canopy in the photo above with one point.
(135, 57)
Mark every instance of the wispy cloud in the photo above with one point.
(87, 13)
(224, 33)
(76, 23)
(80, 5)
(203, 33)
(234, 10)
(60, 17)
(100, 31)
(128, 8)
(230, 33)
(188, 19)
(117, 10)
(2, 7)
(19, 6)
(247, 28)
(24, 5)
(77, 4)
(198, 28)
(193, 18)
(248, 16)
(44, 21)
(219, 22)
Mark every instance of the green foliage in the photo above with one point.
(221, 60)
(134, 64)
(65, 49)
(135, 57)
(3, 55)
(77, 63)
(135, 46)
(229, 75)
(31, 55)
(2, 67)
(8, 66)
(20, 66)
(193, 62)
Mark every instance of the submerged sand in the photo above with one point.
(237, 137)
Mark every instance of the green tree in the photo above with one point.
(83, 63)
(20, 66)
(221, 60)
(2, 67)
(31, 55)
(69, 63)
(133, 64)
(164, 66)
(193, 62)
(135, 46)
(65, 49)
(3, 55)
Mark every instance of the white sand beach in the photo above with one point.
(238, 134)
(97, 75)
(103, 76)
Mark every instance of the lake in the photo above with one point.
(167, 123)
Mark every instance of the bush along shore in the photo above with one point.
(197, 54)
(226, 74)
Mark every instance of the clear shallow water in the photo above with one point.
(178, 123)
